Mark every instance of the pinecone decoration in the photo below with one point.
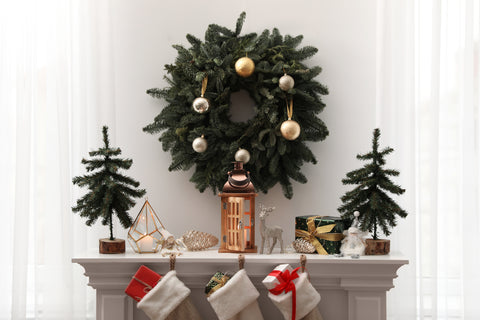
(197, 240)
(303, 246)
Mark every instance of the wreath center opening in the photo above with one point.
(242, 106)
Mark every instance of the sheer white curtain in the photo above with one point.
(428, 104)
(55, 93)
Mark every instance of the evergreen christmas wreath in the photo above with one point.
(198, 131)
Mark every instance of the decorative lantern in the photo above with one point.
(238, 212)
(146, 233)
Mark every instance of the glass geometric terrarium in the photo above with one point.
(145, 234)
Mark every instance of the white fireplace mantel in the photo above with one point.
(353, 289)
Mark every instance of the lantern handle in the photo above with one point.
(241, 261)
(236, 183)
(173, 258)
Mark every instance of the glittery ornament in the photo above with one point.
(244, 67)
(197, 240)
(286, 82)
(242, 155)
(200, 144)
(303, 246)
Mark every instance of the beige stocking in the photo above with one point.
(169, 300)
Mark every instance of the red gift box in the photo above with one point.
(142, 282)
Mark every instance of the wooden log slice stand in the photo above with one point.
(377, 247)
(111, 246)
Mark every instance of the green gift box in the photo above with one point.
(216, 282)
(325, 233)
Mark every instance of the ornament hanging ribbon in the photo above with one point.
(204, 86)
(286, 285)
(315, 233)
(290, 109)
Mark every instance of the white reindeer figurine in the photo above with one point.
(274, 232)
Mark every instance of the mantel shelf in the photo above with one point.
(212, 256)
(352, 289)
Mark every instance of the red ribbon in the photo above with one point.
(286, 284)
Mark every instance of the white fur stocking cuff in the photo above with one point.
(164, 297)
(235, 296)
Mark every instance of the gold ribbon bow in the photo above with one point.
(313, 234)
(220, 283)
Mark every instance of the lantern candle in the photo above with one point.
(145, 244)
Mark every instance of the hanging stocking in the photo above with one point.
(237, 299)
(297, 300)
(169, 300)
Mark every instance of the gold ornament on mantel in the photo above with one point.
(244, 67)
(201, 104)
(197, 240)
(303, 246)
(290, 129)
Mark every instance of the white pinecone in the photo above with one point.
(197, 240)
(303, 246)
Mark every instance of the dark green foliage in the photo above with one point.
(370, 197)
(109, 190)
(273, 159)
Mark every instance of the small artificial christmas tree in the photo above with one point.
(109, 190)
(370, 196)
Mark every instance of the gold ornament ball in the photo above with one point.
(286, 82)
(199, 144)
(242, 155)
(244, 67)
(201, 105)
(290, 129)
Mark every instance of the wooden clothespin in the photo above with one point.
(303, 262)
(241, 261)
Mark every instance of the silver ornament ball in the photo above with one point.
(286, 82)
(242, 155)
(199, 144)
(201, 105)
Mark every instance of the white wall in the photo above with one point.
(343, 31)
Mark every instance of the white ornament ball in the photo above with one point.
(200, 144)
(201, 105)
(286, 82)
(242, 155)
(356, 213)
